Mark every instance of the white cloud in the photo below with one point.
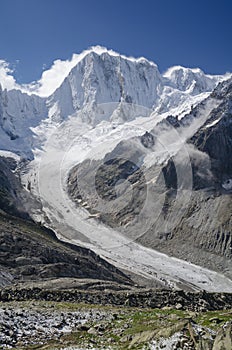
(51, 78)
(7, 80)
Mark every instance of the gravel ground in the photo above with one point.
(23, 326)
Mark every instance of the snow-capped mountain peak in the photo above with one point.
(106, 77)
(89, 79)
(53, 77)
(99, 50)
(193, 80)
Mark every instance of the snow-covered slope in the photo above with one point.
(19, 112)
(194, 81)
(91, 78)
(104, 77)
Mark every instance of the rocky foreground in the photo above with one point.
(66, 326)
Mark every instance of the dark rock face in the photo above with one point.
(215, 138)
(9, 185)
(111, 179)
(180, 300)
(28, 253)
(217, 143)
(203, 235)
(110, 174)
(14, 199)
(147, 140)
(173, 121)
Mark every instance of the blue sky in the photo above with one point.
(33, 33)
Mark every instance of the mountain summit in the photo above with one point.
(94, 77)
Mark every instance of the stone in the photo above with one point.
(142, 337)
(204, 344)
(223, 340)
(215, 320)
(92, 331)
(179, 306)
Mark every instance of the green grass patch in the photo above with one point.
(127, 324)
